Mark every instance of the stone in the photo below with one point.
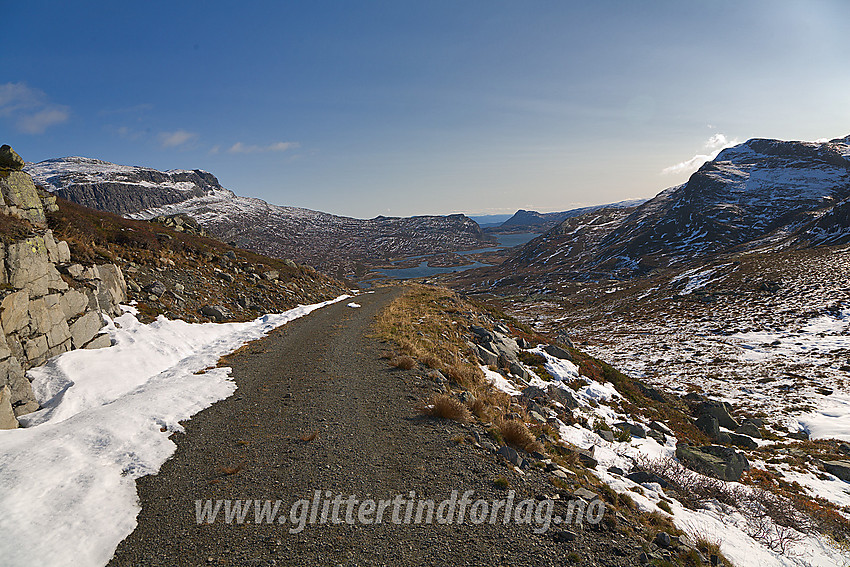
(662, 539)
(585, 494)
(5, 351)
(716, 461)
(224, 276)
(64, 252)
(111, 289)
(7, 415)
(21, 196)
(26, 261)
(488, 357)
(100, 341)
(510, 455)
(659, 437)
(750, 429)
(562, 395)
(215, 312)
(617, 471)
(36, 349)
(841, 469)
(606, 434)
(708, 425)
(482, 333)
(650, 392)
(633, 429)
(156, 288)
(536, 417)
(9, 159)
(518, 370)
(844, 448)
(85, 328)
(290, 264)
(743, 441)
(719, 411)
(271, 275)
(564, 536)
(557, 352)
(642, 477)
(505, 347)
(73, 303)
(658, 426)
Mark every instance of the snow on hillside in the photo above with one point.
(67, 480)
(53, 173)
(722, 523)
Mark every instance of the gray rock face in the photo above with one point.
(41, 315)
(716, 461)
(708, 425)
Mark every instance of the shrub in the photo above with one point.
(501, 483)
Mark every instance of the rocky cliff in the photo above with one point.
(333, 244)
(118, 188)
(48, 305)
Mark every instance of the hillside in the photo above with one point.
(760, 193)
(333, 244)
(532, 221)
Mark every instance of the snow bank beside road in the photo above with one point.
(67, 482)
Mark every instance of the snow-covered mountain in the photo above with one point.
(754, 194)
(525, 221)
(330, 242)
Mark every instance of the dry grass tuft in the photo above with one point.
(229, 471)
(447, 407)
(403, 362)
(516, 434)
(309, 437)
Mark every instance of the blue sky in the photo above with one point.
(368, 108)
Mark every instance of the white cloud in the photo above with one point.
(716, 144)
(30, 108)
(176, 138)
(240, 148)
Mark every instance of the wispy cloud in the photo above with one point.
(240, 148)
(176, 138)
(713, 146)
(30, 108)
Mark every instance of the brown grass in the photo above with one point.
(229, 471)
(447, 407)
(403, 362)
(517, 435)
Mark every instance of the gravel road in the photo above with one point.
(317, 408)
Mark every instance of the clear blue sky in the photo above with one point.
(367, 108)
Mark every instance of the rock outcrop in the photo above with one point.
(47, 304)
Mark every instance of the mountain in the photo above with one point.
(532, 221)
(334, 244)
(762, 192)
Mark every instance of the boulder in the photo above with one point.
(643, 477)
(21, 196)
(749, 428)
(100, 341)
(565, 397)
(743, 441)
(510, 455)
(841, 469)
(28, 266)
(488, 357)
(519, 370)
(7, 415)
(9, 159)
(557, 352)
(73, 303)
(156, 288)
(708, 425)
(483, 334)
(633, 429)
(14, 311)
(716, 461)
(215, 312)
(504, 346)
(719, 411)
(606, 434)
